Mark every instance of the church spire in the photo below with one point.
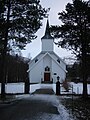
(47, 32)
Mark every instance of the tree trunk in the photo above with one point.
(4, 53)
(85, 93)
(84, 69)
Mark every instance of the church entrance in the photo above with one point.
(46, 76)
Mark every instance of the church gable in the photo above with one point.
(59, 60)
(47, 60)
(36, 60)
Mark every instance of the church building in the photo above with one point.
(47, 65)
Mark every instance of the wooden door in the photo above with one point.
(46, 76)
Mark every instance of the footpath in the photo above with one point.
(42, 104)
(52, 109)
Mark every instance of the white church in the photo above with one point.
(47, 65)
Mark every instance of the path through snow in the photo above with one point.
(57, 111)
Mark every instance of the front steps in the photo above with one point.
(47, 82)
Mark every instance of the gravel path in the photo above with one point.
(41, 105)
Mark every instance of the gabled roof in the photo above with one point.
(58, 57)
(34, 58)
(47, 32)
(42, 58)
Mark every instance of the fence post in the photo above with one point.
(72, 99)
(27, 87)
(58, 86)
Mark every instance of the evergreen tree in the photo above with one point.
(19, 21)
(24, 19)
(75, 34)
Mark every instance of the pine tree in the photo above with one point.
(19, 21)
(75, 34)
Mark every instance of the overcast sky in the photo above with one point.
(34, 47)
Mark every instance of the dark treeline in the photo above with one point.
(16, 69)
(74, 73)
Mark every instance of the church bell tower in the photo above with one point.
(47, 40)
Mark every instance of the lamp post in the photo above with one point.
(58, 78)
(58, 86)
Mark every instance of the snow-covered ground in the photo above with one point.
(78, 88)
(19, 88)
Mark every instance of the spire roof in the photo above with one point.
(47, 32)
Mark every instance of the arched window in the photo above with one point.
(47, 68)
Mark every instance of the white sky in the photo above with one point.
(34, 47)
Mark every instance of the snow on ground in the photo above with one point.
(78, 88)
(19, 88)
(34, 87)
(14, 88)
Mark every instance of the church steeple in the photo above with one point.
(47, 32)
(47, 40)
